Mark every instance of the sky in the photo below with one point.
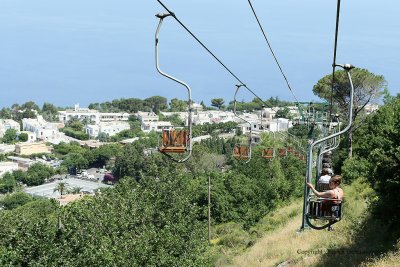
(67, 51)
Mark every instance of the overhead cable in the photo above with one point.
(212, 54)
(272, 51)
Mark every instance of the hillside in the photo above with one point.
(359, 239)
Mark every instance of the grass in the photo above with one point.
(360, 239)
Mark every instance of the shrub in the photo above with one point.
(354, 168)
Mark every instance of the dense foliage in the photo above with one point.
(132, 105)
(257, 104)
(156, 214)
(146, 223)
(377, 146)
(213, 128)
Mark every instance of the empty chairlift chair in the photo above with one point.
(241, 151)
(175, 141)
(282, 152)
(268, 153)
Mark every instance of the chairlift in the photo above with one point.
(175, 141)
(321, 213)
(242, 151)
(282, 152)
(268, 153)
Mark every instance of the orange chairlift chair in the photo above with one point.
(282, 152)
(175, 141)
(268, 153)
(242, 151)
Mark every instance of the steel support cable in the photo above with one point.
(334, 55)
(272, 51)
(212, 54)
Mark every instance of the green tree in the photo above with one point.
(174, 119)
(387, 97)
(217, 102)
(99, 157)
(177, 105)
(15, 200)
(75, 124)
(283, 113)
(23, 137)
(75, 190)
(368, 88)
(156, 103)
(49, 112)
(10, 136)
(30, 105)
(76, 160)
(5, 113)
(377, 144)
(104, 137)
(50, 108)
(7, 183)
(61, 187)
(37, 174)
(64, 148)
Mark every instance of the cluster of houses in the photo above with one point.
(40, 132)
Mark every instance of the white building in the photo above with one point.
(42, 129)
(90, 115)
(8, 124)
(274, 125)
(114, 116)
(79, 113)
(110, 128)
(151, 122)
(7, 166)
(157, 126)
(145, 117)
(197, 107)
(202, 117)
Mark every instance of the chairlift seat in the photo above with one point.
(268, 153)
(324, 209)
(323, 187)
(241, 151)
(174, 141)
(282, 152)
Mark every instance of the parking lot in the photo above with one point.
(47, 190)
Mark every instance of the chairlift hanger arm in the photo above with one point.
(161, 17)
(234, 106)
(347, 68)
(234, 112)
